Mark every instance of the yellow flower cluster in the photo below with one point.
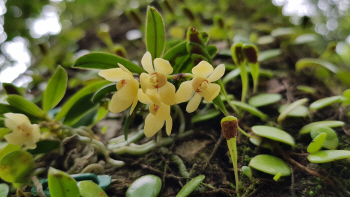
(159, 93)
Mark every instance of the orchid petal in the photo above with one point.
(194, 103)
(163, 112)
(185, 92)
(211, 92)
(124, 97)
(143, 98)
(152, 125)
(15, 138)
(124, 69)
(217, 73)
(134, 103)
(162, 66)
(13, 120)
(169, 125)
(146, 62)
(115, 74)
(203, 69)
(154, 96)
(167, 94)
(144, 80)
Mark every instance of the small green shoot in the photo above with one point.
(190, 186)
(317, 143)
(248, 172)
(331, 141)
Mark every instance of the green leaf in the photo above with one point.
(290, 108)
(218, 102)
(102, 61)
(305, 62)
(8, 149)
(331, 141)
(4, 108)
(155, 33)
(11, 89)
(270, 165)
(305, 38)
(79, 109)
(177, 51)
(326, 123)
(321, 103)
(90, 189)
(90, 89)
(61, 184)
(3, 131)
(231, 75)
(202, 117)
(317, 143)
(45, 146)
(299, 111)
(264, 99)
(145, 186)
(55, 90)
(194, 48)
(257, 141)
(190, 186)
(254, 111)
(26, 106)
(212, 50)
(274, 134)
(103, 91)
(328, 156)
(306, 89)
(16, 166)
(4, 190)
(346, 97)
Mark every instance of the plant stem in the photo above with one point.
(244, 77)
(231, 143)
(245, 133)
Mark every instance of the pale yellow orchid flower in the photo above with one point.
(157, 78)
(23, 131)
(200, 86)
(127, 88)
(159, 113)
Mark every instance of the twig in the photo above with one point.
(214, 150)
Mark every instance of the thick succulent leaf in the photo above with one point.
(270, 165)
(274, 134)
